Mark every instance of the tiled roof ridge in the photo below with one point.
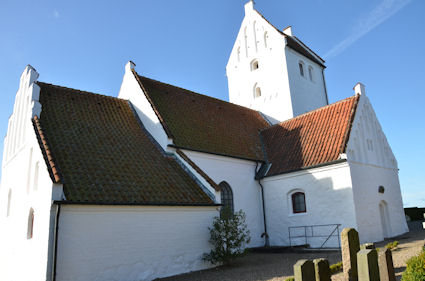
(348, 132)
(311, 112)
(286, 35)
(210, 97)
(198, 170)
(75, 90)
(46, 151)
(299, 40)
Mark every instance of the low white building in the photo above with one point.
(102, 188)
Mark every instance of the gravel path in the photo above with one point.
(278, 266)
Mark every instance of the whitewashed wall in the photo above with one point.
(239, 174)
(283, 94)
(22, 258)
(373, 164)
(131, 243)
(329, 200)
(264, 43)
(131, 90)
(306, 94)
(366, 181)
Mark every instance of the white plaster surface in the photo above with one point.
(131, 243)
(239, 174)
(306, 94)
(22, 258)
(329, 200)
(373, 164)
(284, 94)
(131, 90)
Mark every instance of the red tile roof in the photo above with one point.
(203, 123)
(47, 153)
(104, 154)
(314, 138)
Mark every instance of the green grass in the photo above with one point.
(290, 278)
(392, 245)
(415, 269)
(335, 268)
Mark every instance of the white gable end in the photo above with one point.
(131, 90)
(368, 143)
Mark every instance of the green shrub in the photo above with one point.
(335, 268)
(290, 278)
(229, 235)
(415, 269)
(392, 245)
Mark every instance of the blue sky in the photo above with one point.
(85, 45)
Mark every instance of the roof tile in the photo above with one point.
(314, 138)
(206, 124)
(106, 156)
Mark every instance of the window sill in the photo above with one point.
(297, 214)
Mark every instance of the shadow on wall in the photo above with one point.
(327, 195)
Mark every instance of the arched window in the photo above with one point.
(301, 66)
(30, 229)
(254, 65)
(310, 73)
(226, 196)
(239, 54)
(265, 39)
(9, 200)
(298, 202)
(257, 91)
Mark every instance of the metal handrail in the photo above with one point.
(336, 228)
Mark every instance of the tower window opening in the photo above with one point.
(257, 91)
(30, 229)
(254, 65)
(310, 73)
(301, 66)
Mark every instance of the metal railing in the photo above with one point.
(305, 234)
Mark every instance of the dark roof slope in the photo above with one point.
(106, 157)
(296, 44)
(314, 138)
(206, 124)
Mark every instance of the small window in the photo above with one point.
(226, 196)
(310, 73)
(301, 66)
(265, 39)
(30, 229)
(298, 202)
(254, 65)
(257, 92)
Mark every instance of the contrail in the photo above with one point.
(382, 12)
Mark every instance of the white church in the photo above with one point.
(102, 188)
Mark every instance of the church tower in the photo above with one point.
(272, 71)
